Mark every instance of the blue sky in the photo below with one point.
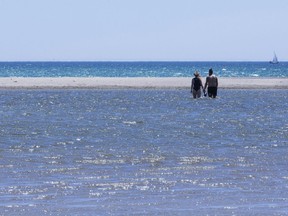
(143, 30)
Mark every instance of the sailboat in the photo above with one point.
(275, 59)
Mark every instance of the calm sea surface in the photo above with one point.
(143, 152)
(141, 69)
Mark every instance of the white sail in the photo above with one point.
(275, 59)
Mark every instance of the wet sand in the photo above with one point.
(139, 82)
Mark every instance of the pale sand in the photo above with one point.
(143, 82)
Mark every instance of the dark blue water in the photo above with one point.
(143, 152)
(141, 69)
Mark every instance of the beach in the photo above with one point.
(135, 82)
(110, 138)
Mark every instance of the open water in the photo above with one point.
(143, 152)
(141, 69)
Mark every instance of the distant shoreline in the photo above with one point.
(137, 82)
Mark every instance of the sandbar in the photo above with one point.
(137, 82)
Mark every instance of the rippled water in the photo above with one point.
(141, 69)
(143, 152)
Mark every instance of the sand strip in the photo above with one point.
(139, 82)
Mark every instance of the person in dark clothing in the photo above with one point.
(196, 85)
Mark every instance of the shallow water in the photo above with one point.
(143, 152)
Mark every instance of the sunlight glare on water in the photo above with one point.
(143, 152)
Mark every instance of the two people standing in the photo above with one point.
(211, 82)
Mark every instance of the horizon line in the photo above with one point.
(3, 61)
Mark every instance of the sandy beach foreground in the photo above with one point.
(139, 82)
